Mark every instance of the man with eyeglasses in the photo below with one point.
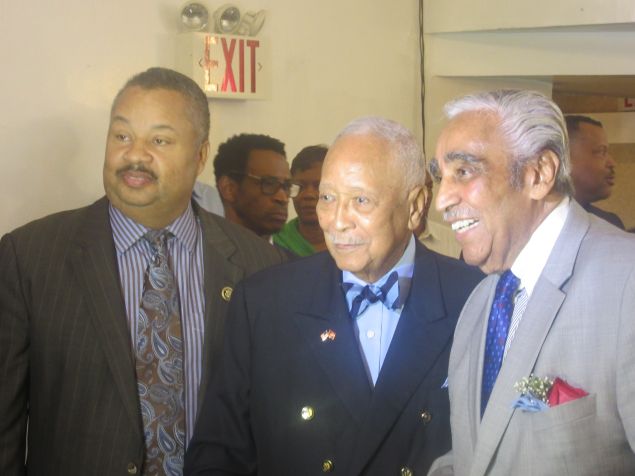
(254, 182)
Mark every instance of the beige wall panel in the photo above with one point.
(468, 15)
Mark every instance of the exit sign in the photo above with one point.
(225, 66)
(626, 104)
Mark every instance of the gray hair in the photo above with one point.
(163, 78)
(402, 144)
(530, 122)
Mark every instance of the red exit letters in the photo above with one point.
(229, 49)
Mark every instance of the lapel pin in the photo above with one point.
(327, 334)
(226, 293)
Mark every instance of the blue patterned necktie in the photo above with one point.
(159, 363)
(370, 294)
(497, 329)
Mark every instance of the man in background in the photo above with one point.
(254, 182)
(110, 315)
(542, 368)
(337, 362)
(592, 167)
(303, 235)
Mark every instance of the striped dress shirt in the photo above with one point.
(186, 259)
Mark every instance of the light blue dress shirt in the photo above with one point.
(376, 326)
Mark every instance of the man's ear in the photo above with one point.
(202, 157)
(541, 174)
(416, 207)
(227, 188)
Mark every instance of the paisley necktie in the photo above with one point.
(159, 363)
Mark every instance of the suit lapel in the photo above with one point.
(339, 355)
(519, 363)
(220, 277)
(422, 334)
(542, 309)
(474, 349)
(95, 263)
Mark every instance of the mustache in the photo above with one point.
(455, 213)
(136, 168)
(342, 239)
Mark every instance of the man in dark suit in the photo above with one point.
(313, 377)
(592, 166)
(77, 320)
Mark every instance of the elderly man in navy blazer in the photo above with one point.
(338, 362)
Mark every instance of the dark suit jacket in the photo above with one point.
(612, 218)
(65, 350)
(275, 363)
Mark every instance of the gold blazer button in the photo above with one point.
(226, 293)
(426, 416)
(307, 413)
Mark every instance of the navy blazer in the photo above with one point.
(289, 400)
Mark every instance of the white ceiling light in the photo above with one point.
(194, 16)
(226, 19)
(229, 20)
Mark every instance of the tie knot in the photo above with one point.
(157, 239)
(363, 296)
(373, 294)
(507, 284)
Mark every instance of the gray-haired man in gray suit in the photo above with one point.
(541, 378)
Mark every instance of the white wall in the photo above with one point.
(63, 62)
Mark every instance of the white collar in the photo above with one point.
(532, 258)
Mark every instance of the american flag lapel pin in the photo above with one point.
(327, 334)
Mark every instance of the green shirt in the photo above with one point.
(291, 239)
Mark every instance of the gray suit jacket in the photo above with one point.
(65, 351)
(579, 325)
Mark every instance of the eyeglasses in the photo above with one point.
(271, 185)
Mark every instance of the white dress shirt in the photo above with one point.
(531, 261)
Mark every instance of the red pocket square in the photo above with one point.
(562, 392)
